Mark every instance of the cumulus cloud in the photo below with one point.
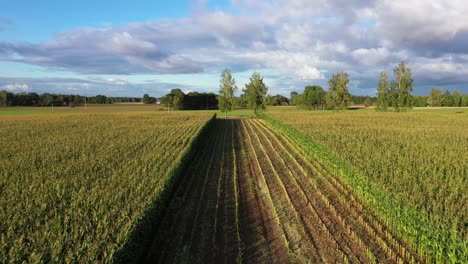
(302, 40)
(372, 56)
(15, 87)
(419, 22)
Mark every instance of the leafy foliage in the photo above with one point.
(383, 95)
(146, 99)
(312, 98)
(255, 92)
(338, 96)
(227, 87)
(435, 97)
(400, 88)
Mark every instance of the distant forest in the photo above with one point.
(48, 99)
(176, 99)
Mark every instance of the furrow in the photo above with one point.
(370, 228)
(263, 190)
(329, 245)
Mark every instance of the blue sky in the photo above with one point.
(119, 48)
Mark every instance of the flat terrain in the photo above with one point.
(134, 183)
(74, 186)
(418, 158)
(90, 108)
(250, 195)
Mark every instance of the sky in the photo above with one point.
(119, 48)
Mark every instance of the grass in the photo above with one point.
(112, 108)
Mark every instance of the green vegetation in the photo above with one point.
(48, 99)
(78, 188)
(397, 94)
(96, 184)
(338, 96)
(412, 168)
(255, 92)
(146, 99)
(383, 93)
(227, 88)
(312, 98)
(8, 112)
(253, 194)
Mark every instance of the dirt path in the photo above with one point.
(251, 196)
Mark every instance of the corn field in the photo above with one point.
(74, 187)
(418, 160)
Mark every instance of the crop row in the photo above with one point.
(201, 223)
(77, 187)
(251, 195)
(409, 168)
(315, 195)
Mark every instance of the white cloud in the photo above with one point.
(296, 39)
(16, 88)
(117, 81)
(403, 22)
(371, 56)
(301, 66)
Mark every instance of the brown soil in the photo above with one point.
(250, 195)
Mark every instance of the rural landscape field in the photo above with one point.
(234, 131)
(293, 186)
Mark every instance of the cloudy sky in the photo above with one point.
(119, 48)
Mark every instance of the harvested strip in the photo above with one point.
(251, 196)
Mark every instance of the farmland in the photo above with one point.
(131, 184)
(74, 187)
(419, 159)
(251, 196)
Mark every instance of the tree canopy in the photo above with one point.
(227, 87)
(383, 96)
(401, 88)
(338, 96)
(255, 92)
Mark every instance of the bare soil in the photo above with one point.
(251, 195)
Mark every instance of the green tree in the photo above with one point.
(227, 88)
(446, 99)
(457, 99)
(146, 99)
(314, 96)
(255, 92)
(299, 101)
(338, 96)
(5, 98)
(435, 97)
(368, 102)
(242, 101)
(401, 88)
(292, 96)
(383, 96)
(420, 101)
(271, 100)
(177, 98)
(167, 101)
(464, 100)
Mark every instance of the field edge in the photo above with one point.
(140, 236)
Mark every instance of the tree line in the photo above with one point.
(48, 99)
(177, 100)
(437, 98)
(391, 95)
